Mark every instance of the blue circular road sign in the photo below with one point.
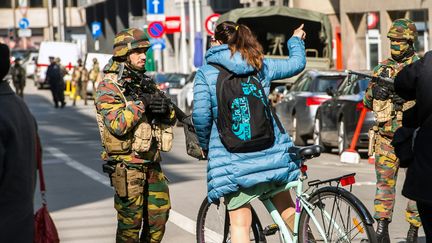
(23, 23)
(156, 29)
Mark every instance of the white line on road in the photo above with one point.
(176, 218)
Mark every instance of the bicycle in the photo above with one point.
(326, 214)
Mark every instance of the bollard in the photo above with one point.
(350, 155)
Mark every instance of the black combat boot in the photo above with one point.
(382, 232)
(412, 234)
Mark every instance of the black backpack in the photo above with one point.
(244, 120)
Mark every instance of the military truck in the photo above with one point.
(273, 26)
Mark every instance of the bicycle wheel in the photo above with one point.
(340, 214)
(213, 225)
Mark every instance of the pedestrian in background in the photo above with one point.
(54, 76)
(135, 125)
(18, 138)
(18, 77)
(237, 50)
(79, 81)
(93, 75)
(414, 83)
(388, 110)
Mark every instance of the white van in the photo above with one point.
(88, 64)
(69, 53)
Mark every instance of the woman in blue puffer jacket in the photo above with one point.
(241, 177)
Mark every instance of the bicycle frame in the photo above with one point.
(300, 202)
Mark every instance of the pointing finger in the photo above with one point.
(301, 27)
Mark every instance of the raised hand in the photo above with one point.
(299, 32)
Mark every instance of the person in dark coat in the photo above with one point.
(17, 161)
(54, 76)
(414, 83)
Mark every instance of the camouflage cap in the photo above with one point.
(129, 39)
(403, 29)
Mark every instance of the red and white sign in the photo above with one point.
(172, 24)
(372, 20)
(210, 23)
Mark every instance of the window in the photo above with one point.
(6, 4)
(305, 84)
(259, 4)
(285, 2)
(323, 83)
(298, 83)
(272, 3)
(36, 3)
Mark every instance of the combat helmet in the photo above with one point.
(403, 29)
(129, 39)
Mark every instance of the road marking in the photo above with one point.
(176, 218)
(365, 183)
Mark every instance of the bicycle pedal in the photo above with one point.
(270, 229)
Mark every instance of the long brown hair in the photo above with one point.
(240, 38)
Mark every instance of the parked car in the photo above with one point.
(337, 118)
(299, 105)
(171, 83)
(69, 53)
(185, 96)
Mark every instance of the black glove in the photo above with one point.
(398, 100)
(380, 92)
(159, 105)
(146, 99)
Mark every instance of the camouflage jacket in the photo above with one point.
(18, 74)
(121, 118)
(387, 128)
(79, 74)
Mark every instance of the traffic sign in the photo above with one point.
(23, 23)
(24, 33)
(155, 6)
(158, 43)
(210, 23)
(172, 24)
(156, 29)
(96, 28)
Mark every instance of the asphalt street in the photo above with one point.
(81, 201)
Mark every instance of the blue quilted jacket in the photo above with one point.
(227, 172)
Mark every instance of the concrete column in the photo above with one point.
(385, 23)
(353, 30)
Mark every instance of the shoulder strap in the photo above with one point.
(40, 169)
(113, 78)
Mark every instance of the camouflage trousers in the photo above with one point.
(386, 169)
(148, 212)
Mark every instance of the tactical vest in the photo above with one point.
(140, 139)
(384, 110)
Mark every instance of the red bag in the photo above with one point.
(45, 230)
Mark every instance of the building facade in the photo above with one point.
(364, 27)
(41, 27)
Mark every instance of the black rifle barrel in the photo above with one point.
(388, 80)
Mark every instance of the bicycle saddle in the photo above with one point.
(307, 152)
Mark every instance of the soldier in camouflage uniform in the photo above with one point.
(18, 77)
(388, 113)
(135, 127)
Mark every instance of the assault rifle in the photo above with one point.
(383, 80)
(148, 86)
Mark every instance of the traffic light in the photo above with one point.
(11, 34)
